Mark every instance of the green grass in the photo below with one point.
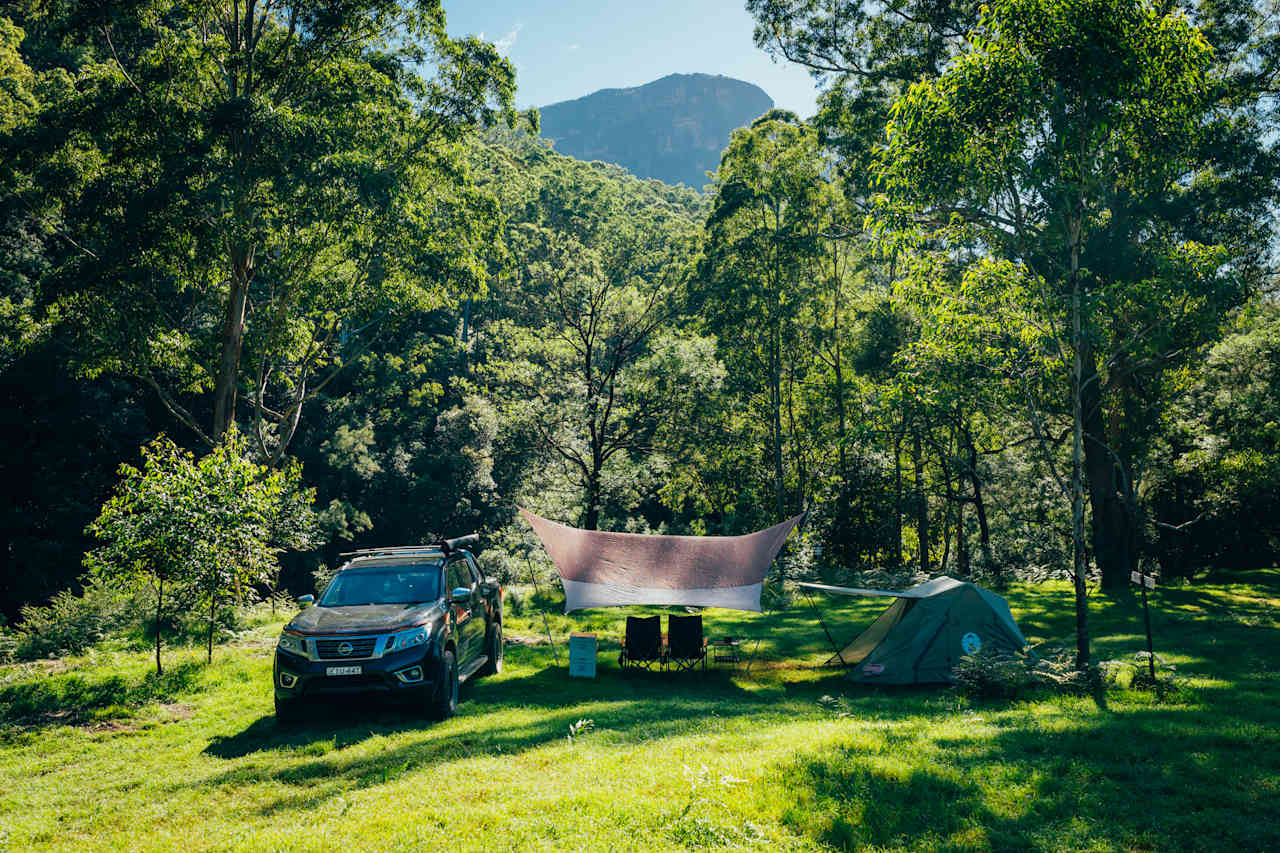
(96, 754)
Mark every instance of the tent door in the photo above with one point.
(865, 643)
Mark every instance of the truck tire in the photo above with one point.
(443, 701)
(493, 648)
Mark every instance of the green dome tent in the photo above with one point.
(922, 635)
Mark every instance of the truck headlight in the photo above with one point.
(292, 643)
(407, 639)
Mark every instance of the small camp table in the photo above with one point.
(725, 650)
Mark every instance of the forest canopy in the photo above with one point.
(1003, 308)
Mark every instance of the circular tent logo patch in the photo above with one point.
(971, 643)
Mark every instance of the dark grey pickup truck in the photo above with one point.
(412, 622)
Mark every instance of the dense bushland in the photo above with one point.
(444, 318)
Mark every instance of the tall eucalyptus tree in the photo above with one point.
(246, 190)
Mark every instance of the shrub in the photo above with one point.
(211, 527)
(1135, 674)
(321, 577)
(229, 619)
(991, 674)
(8, 645)
(512, 602)
(71, 624)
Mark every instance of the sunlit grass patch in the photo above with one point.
(786, 757)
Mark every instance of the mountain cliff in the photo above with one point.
(672, 129)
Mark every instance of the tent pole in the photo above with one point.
(545, 623)
(823, 623)
(751, 660)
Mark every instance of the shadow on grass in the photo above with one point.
(69, 699)
(1066, 779)
(1162, 778)
(548, 689)
(337, 724)
(625, 709)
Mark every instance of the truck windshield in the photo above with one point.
(399, 584)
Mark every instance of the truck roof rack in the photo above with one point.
(442, 546)
(397, 550)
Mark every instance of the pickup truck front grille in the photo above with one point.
(332, 649)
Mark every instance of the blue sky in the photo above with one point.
(566, 49)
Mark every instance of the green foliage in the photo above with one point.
(469, 320)
(762, 260)
(596, 367)
(1216, 479)
(513, 602)
(974, 128)
(17, 99)
(994, 675)
(1134, 673)
(295, 161)
(72, 622)
(1052, 160)
(201, 532)
(321, 577)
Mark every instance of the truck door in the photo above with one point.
(487, 603)
(468, 613)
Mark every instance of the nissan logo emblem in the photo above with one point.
(345, 648)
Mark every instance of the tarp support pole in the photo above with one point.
(823, 623)
(545, 623)
(782, 581)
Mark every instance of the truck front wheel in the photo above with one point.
(443, 701)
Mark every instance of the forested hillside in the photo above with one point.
(960, 347)
(672, 129)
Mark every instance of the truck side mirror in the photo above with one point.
(460, 594)
(306, 600)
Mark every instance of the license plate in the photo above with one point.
(343, 670)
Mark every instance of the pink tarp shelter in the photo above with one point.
(602, 569)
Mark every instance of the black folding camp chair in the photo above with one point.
(642, 644)
(686, 647)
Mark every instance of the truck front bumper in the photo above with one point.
(410, 671)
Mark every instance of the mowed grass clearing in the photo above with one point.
(98, 754)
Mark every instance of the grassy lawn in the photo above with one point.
(97, 754)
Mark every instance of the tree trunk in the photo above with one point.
(775, 392)
(159, 618)
(962, 542)
(980, 509)
(842, 453)
(798, 464)
(591, 518)
(922, 504)
(213, 615)
(1115, 537)
(944, 564)
(1079, 564)
(224, 390)
(896, 556)
(952, 504)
